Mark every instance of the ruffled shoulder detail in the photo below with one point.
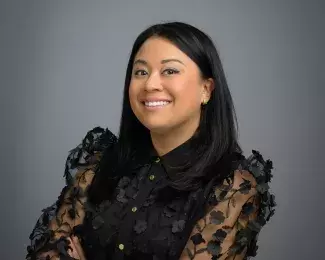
(261, 169)
(88, 152)
(81, 160)
(238, 208)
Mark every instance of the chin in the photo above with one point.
(158, 128)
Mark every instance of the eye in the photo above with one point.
(140, 73)
(170, 71)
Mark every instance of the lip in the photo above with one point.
(155, 100)
(155, 107)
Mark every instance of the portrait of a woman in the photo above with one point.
(174, 183)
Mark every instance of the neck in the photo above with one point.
(167, 141)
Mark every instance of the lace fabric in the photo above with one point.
(48, 240)
(136, 226)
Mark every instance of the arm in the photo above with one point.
(229, 229)
(50, 236)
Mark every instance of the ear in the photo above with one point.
(207, 88)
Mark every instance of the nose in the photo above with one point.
(153, 82)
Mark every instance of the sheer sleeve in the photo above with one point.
(240, 206)
(48, 239)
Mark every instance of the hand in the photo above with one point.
(77, 251)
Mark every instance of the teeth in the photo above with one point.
(156, 103)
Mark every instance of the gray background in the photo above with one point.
(62, 68)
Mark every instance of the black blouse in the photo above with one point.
(148, 219)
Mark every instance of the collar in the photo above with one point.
(174, 160)
(179, 158)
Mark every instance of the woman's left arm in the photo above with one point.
(230, 228)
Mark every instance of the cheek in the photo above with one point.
(131, 90)
(132, 93)
(187, 92)
(133, 98)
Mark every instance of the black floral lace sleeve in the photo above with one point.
(239, 207)
(49, 236)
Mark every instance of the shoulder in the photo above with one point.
(261, 170)
(88, 153)
(258, 173)
(238, 207)
(250, 177)
(79, 169)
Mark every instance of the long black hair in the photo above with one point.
(218, 130)
(217, 136)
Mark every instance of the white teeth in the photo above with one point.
(156, 103)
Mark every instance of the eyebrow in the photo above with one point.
(162, 62)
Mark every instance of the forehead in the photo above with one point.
(158, 48)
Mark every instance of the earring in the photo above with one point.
(205, 102)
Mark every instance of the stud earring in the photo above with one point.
(205, 102)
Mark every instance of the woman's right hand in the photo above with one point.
(77, 251)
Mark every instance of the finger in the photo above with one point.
(73, 251)
(78, 247)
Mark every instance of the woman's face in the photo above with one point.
(166, 88)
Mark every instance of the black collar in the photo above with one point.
(180, 158)
(174, 160)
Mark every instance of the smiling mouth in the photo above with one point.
(156, 103)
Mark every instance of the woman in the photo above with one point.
(175, 184)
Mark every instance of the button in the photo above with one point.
(157, 160)
(121, 246)
(134, 209)
(151, 177)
